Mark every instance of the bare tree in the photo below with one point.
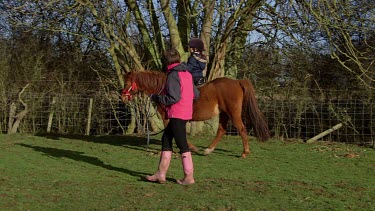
(342, 29)
(258, 39)
(348, 26)
(136, 32)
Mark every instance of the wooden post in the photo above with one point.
(89, 117)
(12, 115)
(50, 118)
(313, 139)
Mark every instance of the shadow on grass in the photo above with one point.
(78, 156)
(216, 151)
(131, 142)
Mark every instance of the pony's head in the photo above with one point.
(148, 82)
(130, 87)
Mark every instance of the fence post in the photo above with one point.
(336, 127)
(50, 118)
(89, 117)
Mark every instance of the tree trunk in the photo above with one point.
(148, 41)
(196, 128)
(209, 6)
(156, 122)
(132, 125)
(217, 70)
(14, 121)
(172, 26)
(17, 121)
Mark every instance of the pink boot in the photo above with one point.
(160, 175)
(187, 164)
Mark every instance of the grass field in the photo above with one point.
(107, 173)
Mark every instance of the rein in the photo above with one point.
(129, 96)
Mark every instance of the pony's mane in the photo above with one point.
(154, 80)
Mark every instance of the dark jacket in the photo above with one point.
(196, 64)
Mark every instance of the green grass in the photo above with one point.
(107, 173)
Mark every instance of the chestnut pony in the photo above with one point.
(225, 97)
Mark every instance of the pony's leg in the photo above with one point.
(192, 147)
(223, 121)
(237, 121)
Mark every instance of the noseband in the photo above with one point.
(126, 93)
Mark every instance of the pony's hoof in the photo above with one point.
(194, 149)
(208, 151)
(244, 154)
(186, 182)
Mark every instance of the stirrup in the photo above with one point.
(201, 81)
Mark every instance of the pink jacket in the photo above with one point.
(179, 92)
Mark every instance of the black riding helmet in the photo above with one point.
(196, 43)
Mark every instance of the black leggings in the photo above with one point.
(176, 129)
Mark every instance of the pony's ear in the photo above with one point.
(127, 74)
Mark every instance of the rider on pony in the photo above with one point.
(197, 61)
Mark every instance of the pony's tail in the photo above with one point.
(253, 114)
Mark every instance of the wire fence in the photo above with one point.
(304, 119)
(98, 114)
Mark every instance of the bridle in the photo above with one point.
(126, 93)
